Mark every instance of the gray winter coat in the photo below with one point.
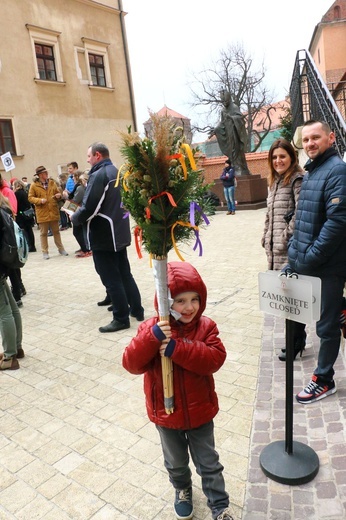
(282, 200)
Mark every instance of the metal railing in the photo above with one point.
(311, 99)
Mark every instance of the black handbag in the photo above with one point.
(29, 214)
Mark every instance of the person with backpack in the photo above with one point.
(10, 318)
(14, 273)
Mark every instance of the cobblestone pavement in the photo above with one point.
(75, 440)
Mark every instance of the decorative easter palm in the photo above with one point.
(163, 191)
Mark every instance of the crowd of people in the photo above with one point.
(304, 230)
(28, 205)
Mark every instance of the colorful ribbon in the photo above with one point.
(127, 173)
(170, 198)
(193, 207)
(180, 156)
(138, 234)
(183, 165)
(117, 180)
(185, 224)
(189, 153)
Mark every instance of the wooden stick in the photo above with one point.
(167, 379)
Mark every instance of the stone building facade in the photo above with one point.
(65, 82)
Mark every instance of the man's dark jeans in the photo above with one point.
(328, 327)
(114, 270)
(79, 234)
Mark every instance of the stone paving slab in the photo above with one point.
(74, 436)
(321, 426)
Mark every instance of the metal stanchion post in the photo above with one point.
(289, 462)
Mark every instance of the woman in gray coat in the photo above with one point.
(284, 182)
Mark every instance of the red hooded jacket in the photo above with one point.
(9, 194)
(197, 354)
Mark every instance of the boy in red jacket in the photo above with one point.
(191, 341)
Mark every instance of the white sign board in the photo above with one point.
(297, 299)
(7, 161)
(316, 291)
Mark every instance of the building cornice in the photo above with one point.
(31, 27)
(99, 5)
(97, 42)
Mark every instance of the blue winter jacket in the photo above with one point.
(318, 245)
(108, 227)
(227, 177)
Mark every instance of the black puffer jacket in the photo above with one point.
(102, 212)
(318, 246)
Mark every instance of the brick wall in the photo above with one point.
(213, 166)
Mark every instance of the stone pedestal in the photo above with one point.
(251, 192)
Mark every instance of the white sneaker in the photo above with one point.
(45, 256)
(63, 253)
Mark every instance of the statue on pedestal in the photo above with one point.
(231, 134)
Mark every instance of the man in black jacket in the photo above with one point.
(108, 233)
(318, 246)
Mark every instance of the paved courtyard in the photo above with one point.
(75, 440)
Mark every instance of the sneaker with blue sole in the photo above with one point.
(183, 507)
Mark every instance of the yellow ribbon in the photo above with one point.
(124, 179)
(184, 147)
(119, 174)
(126, 174)
(183, 165)
(189, 153)
(185, 224)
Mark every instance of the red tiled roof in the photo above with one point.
(165, 111)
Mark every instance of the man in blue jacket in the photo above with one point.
(318, 246)
(108, 233)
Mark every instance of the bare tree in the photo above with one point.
(234, 72)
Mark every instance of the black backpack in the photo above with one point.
(13, 245)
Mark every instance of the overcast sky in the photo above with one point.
(169, 40)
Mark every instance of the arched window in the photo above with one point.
(337, 15)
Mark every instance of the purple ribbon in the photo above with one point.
(198, 243)
(195, 207)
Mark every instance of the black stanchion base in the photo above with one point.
(294, 469)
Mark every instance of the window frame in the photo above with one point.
(13, 151)
(46, 59)
(49, 38)
(98, 67)
(97, 48)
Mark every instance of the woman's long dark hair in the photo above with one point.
(282, 143)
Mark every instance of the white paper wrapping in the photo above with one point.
(161, 286)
